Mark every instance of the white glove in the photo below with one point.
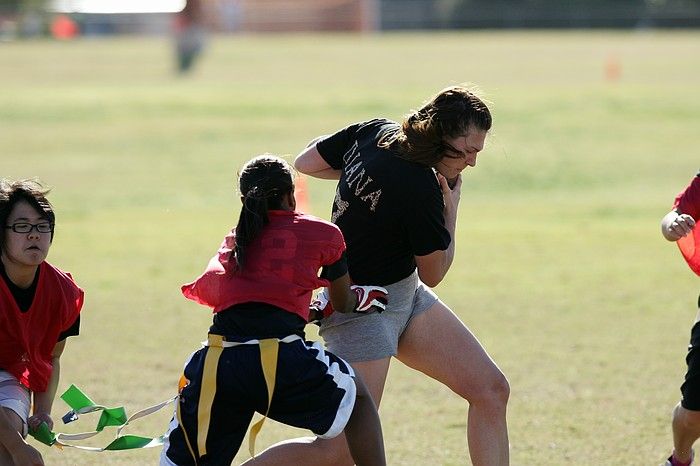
(320, 307)
(369, 297)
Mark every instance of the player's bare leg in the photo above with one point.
(364, 431)
(312, 451)
(438, 344)
(686, 430)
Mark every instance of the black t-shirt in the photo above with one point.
(24, 297)
(388, 208)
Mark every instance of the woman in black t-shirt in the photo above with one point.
(396, 203)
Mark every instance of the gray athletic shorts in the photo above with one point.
(15, 396)
(368, 337)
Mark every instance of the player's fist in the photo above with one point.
(680, 227)
(34, 421)
(320, 307)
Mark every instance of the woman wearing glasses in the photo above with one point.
(39, 308)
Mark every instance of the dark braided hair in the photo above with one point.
(449, 114)
(262, 182)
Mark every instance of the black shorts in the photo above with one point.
(313, 390)
(691, 387)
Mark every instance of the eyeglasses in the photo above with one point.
(28, 227)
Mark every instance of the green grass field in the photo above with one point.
(561, 270)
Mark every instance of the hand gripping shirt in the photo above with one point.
(388, 208)
(27, 339)
(688, 202)
(281, 268)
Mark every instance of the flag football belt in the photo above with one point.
(82, 404)
(269, 349)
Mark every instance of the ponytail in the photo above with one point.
(449, 114)
(263, 182)
(251, 221)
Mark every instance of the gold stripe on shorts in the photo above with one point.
(206, 395)
(269, 349)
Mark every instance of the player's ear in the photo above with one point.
(289, 201)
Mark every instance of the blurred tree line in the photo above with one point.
(19, 6)
(439, 14)
(23, 17)
(27, 18)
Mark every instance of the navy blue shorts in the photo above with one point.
(691, 386)
(314, 390)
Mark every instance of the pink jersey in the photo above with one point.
(281, 268)
(688, 202)
(27, 339)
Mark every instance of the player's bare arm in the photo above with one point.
(310, 162)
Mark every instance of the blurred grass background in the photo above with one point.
(561, 270)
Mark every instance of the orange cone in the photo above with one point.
(613, 70)
(63, 27)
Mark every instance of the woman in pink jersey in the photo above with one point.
(679, 225)
(259, 286)
(39, 309)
